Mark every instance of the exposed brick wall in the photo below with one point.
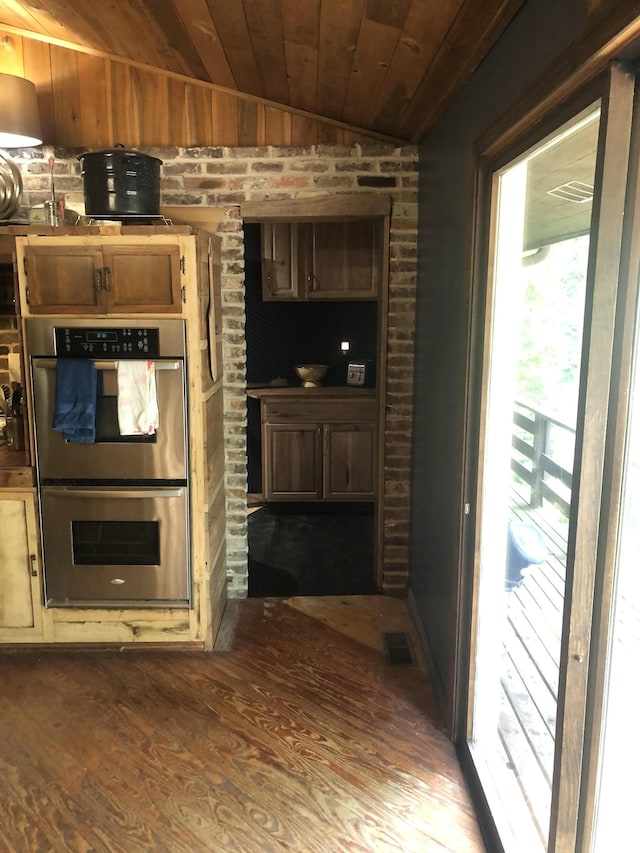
(225, 177)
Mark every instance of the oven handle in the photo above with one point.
(116, 492)
(50, 363)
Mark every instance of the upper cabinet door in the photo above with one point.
(103, 277)
(141, 279)
(344, 259)
(339, 259)
(280, 278)
(64, 279)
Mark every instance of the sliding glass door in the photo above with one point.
(548, 327)
(532, 368)
(616, 796)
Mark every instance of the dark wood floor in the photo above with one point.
(300, 737)
(311, 550)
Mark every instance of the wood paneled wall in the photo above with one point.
(89, 100)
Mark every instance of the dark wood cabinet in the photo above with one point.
(280, 273)
(292, 461)
(342, 260)
(102, 278)
(318, 447)
(349, 453)
(322, 260)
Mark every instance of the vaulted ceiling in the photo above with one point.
(385, 66)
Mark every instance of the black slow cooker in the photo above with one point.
(120, 182)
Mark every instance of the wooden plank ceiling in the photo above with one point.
(383, 66)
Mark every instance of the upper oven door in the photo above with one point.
(112, 458)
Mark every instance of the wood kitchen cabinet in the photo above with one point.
(19, 567)
(112, 275)
(292, 461)
(349, 454)
(280, 272)
(322, 260)
(101, 278)
(318, 449)
(342, 260)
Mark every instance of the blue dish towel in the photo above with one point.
(76, 391)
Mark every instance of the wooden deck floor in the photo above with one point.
(530, 676)
(300, 737)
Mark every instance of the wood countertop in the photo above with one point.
(322, 392)
(15, 470)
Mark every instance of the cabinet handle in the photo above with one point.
(107, 278)
(98, 280)
(34, 571)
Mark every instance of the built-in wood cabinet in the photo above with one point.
(322, 260)
(342, 260)
(19, 567)
(318, 447)
(349, 460)
(292, 461)
(126, 272)
(69, 276)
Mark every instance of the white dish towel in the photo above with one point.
(137, 398)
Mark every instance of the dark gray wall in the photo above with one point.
(539, 33)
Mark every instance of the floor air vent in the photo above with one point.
(397, 647)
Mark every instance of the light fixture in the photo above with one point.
(19, 127)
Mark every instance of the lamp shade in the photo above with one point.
(19, 119)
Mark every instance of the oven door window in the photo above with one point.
(107, 429)
(117, 543)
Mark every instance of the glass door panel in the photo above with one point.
(532, 365)
(616, 802)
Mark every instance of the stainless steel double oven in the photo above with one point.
(114, 512)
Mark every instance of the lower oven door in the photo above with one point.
(115, 546)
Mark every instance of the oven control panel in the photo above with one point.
(100, 342)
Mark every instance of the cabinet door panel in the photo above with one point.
(349, 462)
(280, 261)
(142, 278)
(16, 597)
(346, 260)
(64, 279)
(292, 469)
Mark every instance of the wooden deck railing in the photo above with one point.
(532, 460)
(542, 454)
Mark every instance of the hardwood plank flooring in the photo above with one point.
(301, 736)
